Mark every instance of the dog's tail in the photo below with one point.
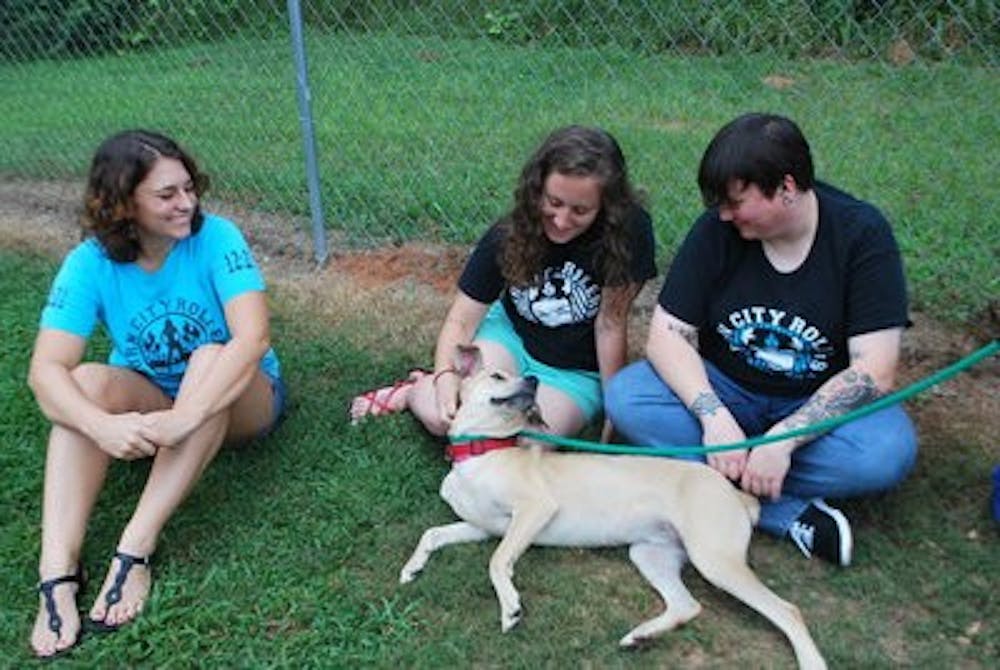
(751, 504)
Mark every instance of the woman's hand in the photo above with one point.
(168, 428)
(459, 327)
(766, 469)
(122, 436)
(722, 428)
(446, 390)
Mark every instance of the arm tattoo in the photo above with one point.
(706, 403)
(844, 392)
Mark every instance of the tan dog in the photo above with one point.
(666, 510)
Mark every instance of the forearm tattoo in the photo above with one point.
(705, 404)
(848, 390)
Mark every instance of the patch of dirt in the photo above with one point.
(399, 295)
(435, 266)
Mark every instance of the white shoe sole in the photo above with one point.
(844, 526)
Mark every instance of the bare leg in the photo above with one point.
(74, 474)
(562, 416)
(560, 413)
(421, 398)
(75, 470)
(390, 399)
(174, 473)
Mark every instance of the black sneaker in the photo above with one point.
(823, 531)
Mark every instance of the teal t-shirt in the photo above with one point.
(156, 319)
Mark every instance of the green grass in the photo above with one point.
(287, 554)
(423, 137)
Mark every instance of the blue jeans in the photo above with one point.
(280, 394)
(865, 456)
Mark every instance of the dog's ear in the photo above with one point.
(468, 360)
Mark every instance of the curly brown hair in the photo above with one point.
(119, 166)
(573, 151)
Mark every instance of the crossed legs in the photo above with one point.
(868, 455)
(76, 468)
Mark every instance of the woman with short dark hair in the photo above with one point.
(783, 307)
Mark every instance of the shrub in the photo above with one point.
(31, 29)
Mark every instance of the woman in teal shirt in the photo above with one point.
(191, 367)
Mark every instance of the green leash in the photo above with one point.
(821, 426)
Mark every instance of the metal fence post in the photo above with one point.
(308, 136)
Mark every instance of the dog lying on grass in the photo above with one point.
(666, 511)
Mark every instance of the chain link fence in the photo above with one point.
(423, 112)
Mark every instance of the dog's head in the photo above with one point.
(492, 402)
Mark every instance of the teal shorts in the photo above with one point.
(582, 386)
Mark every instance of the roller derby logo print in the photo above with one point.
(162, 336)
(561, 296)
(776, 342)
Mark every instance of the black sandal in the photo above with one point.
(125, 564)
(55, 621)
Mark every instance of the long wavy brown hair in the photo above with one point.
(119, 166)
(573, 151)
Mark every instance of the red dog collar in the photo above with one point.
(463, 450)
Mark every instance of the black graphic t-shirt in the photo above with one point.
(786, 333)
(554, 315)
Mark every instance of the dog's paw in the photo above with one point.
(509, 620)
(412, 568)
(633, 642)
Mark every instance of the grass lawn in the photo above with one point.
(423, 137)
(287, 554)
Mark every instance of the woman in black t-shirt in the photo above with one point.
(547, 289)
(783, 307)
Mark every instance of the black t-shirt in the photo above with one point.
(554, 315)
(786, 333)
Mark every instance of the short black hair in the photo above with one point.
(756, 149)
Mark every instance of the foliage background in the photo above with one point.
(795, 28)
